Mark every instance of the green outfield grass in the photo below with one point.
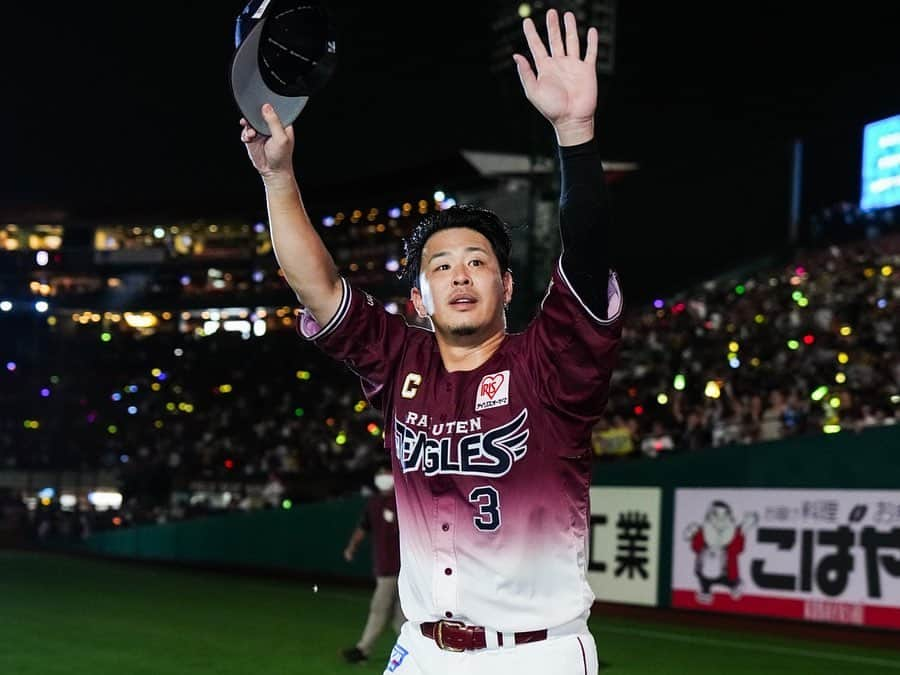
(92, 617)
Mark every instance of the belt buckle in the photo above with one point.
(439, 635)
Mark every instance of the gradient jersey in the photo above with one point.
(492, 466)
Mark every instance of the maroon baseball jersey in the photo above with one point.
(379, 519)
(491, 466)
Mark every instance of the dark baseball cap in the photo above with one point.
(285, 51)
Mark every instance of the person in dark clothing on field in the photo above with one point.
(379, 518)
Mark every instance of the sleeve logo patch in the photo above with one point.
(398, 653)
(493, 391)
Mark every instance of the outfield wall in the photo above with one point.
(306, 538)
(806, 529)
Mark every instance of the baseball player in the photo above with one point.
(489, 432)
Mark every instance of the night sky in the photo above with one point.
(122, 110)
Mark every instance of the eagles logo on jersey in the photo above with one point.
(487, 453)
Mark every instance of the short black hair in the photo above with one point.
(482, 220)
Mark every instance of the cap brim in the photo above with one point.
(250, 91)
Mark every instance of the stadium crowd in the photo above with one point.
(807, 348)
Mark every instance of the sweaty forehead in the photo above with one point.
(455, 240)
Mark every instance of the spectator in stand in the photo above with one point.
(614, 439)
(657, 441)
(273, 491)
(695, 434)
(771, 425)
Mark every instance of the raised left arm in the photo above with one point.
(564, 90)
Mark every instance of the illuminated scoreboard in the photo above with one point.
(881, 164)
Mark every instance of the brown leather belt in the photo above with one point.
(455, 636)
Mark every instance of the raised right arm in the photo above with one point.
(308, 266)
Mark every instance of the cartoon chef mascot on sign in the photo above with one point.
(717, 544)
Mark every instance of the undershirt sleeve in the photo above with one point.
(584, 223)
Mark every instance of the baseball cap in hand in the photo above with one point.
(285, 51)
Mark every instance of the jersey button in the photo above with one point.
(449, 615)
(445, 527)
(448, 571)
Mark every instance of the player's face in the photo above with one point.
(461, 286)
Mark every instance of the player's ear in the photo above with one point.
(507, 287)
(416, 296)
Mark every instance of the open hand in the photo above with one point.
(564, 88)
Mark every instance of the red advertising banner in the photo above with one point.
(814, 555)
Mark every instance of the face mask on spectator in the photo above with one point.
(384, 482)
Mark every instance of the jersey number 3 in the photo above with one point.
(487, 499)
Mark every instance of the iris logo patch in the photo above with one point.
(398, 653)
(493, 391)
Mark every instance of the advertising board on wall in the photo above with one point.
(623, 561)
(816, 555)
